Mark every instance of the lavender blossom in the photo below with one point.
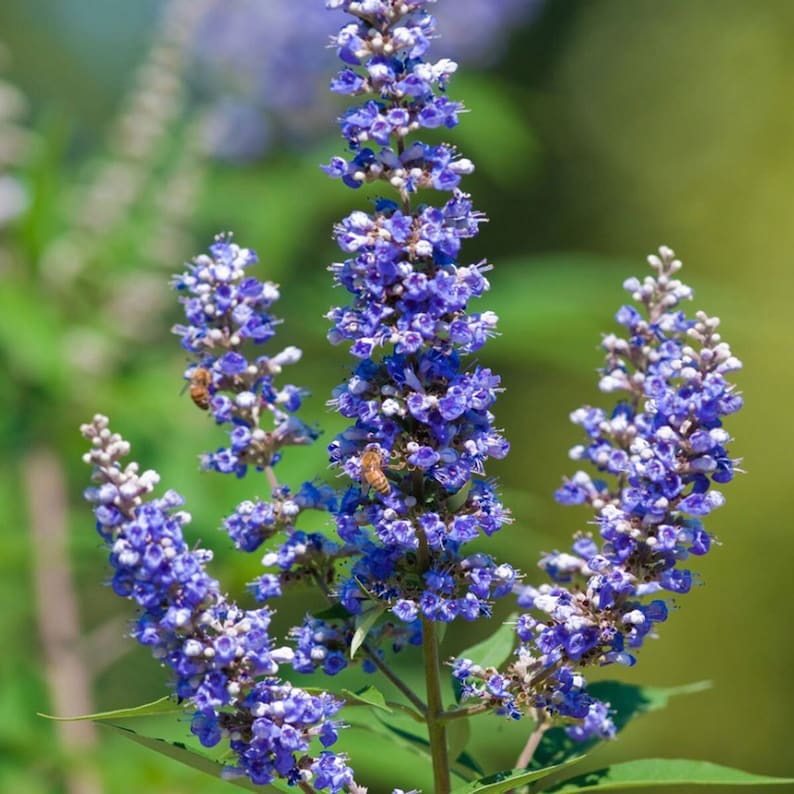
(221, 656)
(658, 455)
(268, 62)
(415, 406)
(228, 312)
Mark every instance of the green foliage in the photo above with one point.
(626, 701)
(364, 623)
(662, 772)
(163, 705)
(185, 755)
(509, 779)
(493, 651)
(368, 696)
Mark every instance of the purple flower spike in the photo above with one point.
(658, 455)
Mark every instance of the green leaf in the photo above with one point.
(335, 612)
(497, 648)
(164, 705)
(493, 651)
(663, 772)
(458, 735)
(626, 701)
(368, 696)
(180, 752)
(456, 500)
(464, 766)
(509, 779)
(364, 622)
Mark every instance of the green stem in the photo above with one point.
(436, 729)
(466, 711)
(377, 661)
(395, 679)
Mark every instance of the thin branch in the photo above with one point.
(271, 478)
(466, 711)
(525, 758)
(415, 700)
(377, 661)
(407, 710)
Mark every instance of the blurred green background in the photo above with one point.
(608, 128)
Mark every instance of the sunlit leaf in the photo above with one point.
(164, 705)
(180, 752)
(509, 779)
(368, 696)
(364, 622)
(493, 651)
(663, 772)
(625, 700)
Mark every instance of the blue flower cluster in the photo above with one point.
(658, 455)
(222, 657)
(422, 423)
(323, 643)
(227, 312)
(252, 523)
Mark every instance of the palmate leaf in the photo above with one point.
(185, 755)
(493, 651)
(626, 701)
(163, 705)
(661, 772)
(510, 779)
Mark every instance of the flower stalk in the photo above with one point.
(436, 727)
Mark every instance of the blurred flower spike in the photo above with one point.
(263, 67)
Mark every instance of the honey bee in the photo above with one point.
(200, 382)
(372, 471)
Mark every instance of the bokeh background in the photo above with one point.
(132, 132)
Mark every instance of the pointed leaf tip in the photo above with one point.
(662, 772)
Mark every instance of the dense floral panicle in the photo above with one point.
(422, 427)
(228, 314)
(269, 66)
(658, 454)
(221, 656)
